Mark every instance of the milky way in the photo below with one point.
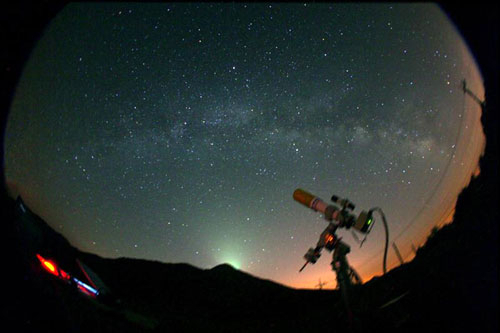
(178, 132)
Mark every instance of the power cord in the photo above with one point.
(379, 210)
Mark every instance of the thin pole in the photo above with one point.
(471, 94)
(413, 248)
(397, 253)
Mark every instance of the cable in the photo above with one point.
(379, 210)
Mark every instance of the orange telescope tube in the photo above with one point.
(303, 197)
(315, 203)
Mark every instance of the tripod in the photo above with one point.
(346, 275)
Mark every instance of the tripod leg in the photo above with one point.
(341, 268)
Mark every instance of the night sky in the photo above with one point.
(178, 132)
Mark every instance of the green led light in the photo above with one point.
(369, 222)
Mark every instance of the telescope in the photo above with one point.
(343, 217)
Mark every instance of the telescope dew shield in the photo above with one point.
(315, 203)
(303, 197)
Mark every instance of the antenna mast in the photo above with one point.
(471, 94)
(321, 284)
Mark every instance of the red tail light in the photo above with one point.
(48, 265)
(64, 275)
